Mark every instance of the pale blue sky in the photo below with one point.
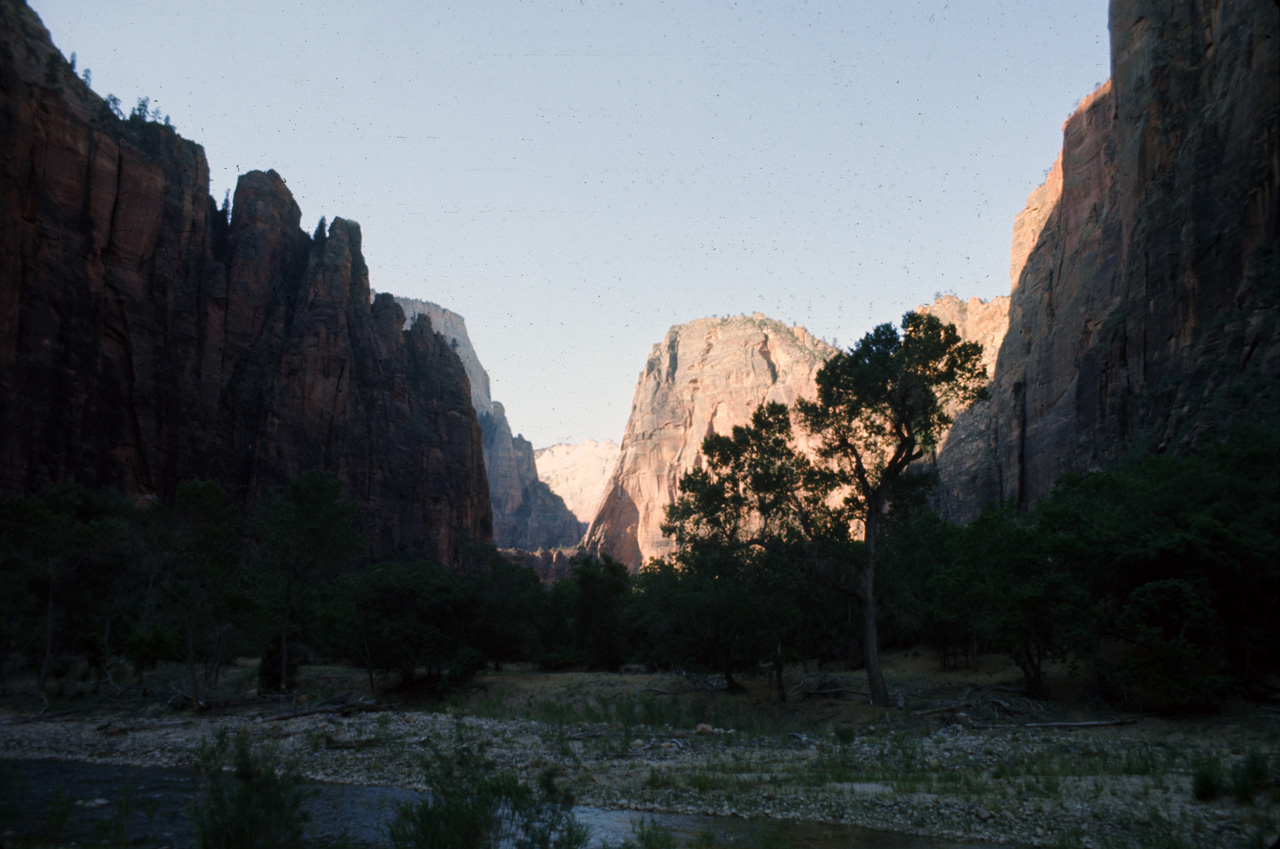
(574, 178)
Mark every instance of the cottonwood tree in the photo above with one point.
(741, 522)
(60, 552)
(307, 535)
(197, 564)
(880, 406)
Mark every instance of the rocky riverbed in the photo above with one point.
(942, 774)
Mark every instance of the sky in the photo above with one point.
(574, 178)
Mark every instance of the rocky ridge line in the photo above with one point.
(146, 340)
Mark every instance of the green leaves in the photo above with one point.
(473, 806)
(891, 396)
(1003, 587)
(310, 529)
(256, 805)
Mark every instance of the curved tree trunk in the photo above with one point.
(870, 635)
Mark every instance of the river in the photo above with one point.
(78, 801)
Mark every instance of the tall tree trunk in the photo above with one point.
(48, 636)
(213, 667)
(192, 678)
(368, 660)
(284, 639)
(777, 673)
(870, 635)
(726, 669)
(144, 625)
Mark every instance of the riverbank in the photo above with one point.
(972, 764)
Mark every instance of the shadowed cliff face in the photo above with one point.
(1145, 313)
(146, 340)
(706, 377)
(526, 513)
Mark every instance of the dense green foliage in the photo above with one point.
(1160, 579)
(1166, 572)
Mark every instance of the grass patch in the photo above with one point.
(1250, 776)
(1207, 782)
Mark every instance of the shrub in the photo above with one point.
(474, 807)
(648, 836)
(1249, 776)
(1206, 781)
(257, 804)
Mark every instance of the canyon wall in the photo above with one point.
(706, 377)
(145, 339)
(527, 514)
(969, 467)
(578, 473)
(1147, 269)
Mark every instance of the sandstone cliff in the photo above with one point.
(967, 443)
(527, 514)
(1144, 309)
(146, 340)
(706, 376)
(578, 473)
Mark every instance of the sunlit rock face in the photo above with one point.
(706, 377)
(578, 473)
(526, 513)
(1144, 307)
(967, 443)
(146, 340)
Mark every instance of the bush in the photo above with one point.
(652, 835)
(474, 807)
(255, 805)
(1206, 781)
(1249, 777)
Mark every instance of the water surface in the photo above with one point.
(79, 800)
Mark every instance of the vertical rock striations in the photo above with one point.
(146, 340)
(706, 377)
(526, 513)
(1148, 267)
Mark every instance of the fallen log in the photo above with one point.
(943, 709)
(1098, 723)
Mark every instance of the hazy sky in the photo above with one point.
(576, 177)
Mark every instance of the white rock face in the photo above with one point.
(578, 473)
